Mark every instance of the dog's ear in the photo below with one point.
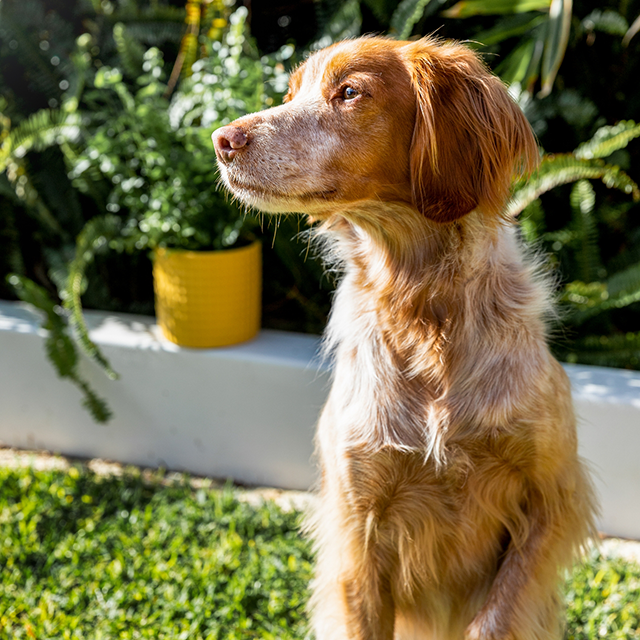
(470, 139)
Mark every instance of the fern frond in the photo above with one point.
(532, 221)
(607, 21)
(586, 300)
(617, 350)
(583, 199)
(58, 345)
(27, 194)
(343, 23)
(156, 13)
(561, 169)
(38, 132)
(608, 139)
(130, 50)
(94, 238)
(625, 282)
(155, 33)
(43, 74)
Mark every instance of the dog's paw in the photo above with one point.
(488, 625)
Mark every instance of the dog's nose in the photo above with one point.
(228, 142)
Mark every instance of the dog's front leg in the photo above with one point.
(524, 602)
(351, 592)
(351, 596)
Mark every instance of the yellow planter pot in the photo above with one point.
(208, 298)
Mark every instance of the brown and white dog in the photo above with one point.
(452, 495)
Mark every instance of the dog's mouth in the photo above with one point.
(269, 193)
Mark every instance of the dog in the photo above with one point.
(452, 496)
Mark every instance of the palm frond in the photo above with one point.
(561, 169)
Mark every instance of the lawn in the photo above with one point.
(91, 556)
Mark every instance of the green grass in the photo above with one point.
(93, 557)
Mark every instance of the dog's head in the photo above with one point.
(422, 123)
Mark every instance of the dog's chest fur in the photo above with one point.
(408, 429)
(414, 368)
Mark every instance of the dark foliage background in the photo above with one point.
(42, 211)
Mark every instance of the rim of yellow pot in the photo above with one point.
(200, 252)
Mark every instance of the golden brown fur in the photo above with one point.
(452, 494)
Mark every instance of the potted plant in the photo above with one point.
(148, 164)
(162, 197)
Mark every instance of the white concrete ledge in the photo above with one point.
(248, 412)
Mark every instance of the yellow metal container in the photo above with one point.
(208, 298)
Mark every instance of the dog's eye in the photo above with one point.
(349, 93)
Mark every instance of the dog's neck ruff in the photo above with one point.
(401, 320)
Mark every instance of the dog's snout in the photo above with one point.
(228, 142)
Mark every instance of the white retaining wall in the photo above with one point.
(248, 412)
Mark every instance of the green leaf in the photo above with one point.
(609, 139)
(558, 28)
(633, 30)
(467, 8)
(515, 67)
(405, 17)
(510, 27)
